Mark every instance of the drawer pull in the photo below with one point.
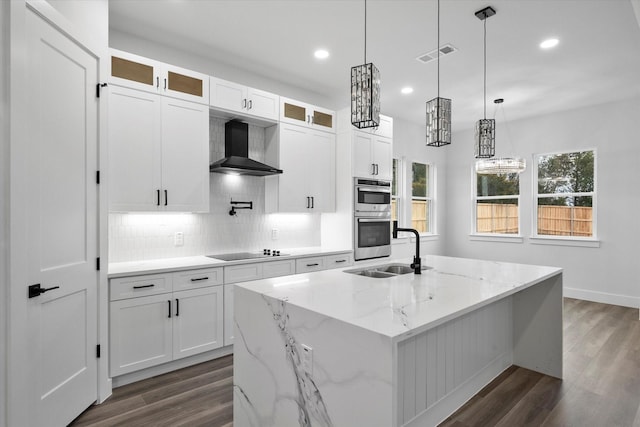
(199, 279)
(169, 305)
(313, 265)
(144, 286)
(340, 260)
(177, 307)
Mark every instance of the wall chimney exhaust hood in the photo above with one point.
(236, 151)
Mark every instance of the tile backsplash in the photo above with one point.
(142, 236)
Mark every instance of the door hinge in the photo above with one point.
(98, 86)
(98, 263)
(97, 177)
(98, 351)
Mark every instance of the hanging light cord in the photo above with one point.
(485, 68)
(365, 31)
(438, 50)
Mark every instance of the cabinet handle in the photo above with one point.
(308, 202)
(373, 169)
(144, 286)
(199, 279)
(169, 304)
(244, 103)
(313, 202)
(338, 261)
(250, 104)
(158, 82)
(165, 83)
(313, 265)
(166, 197)
(308, 118)
(377, 169)
(158, 194)
(177, 307)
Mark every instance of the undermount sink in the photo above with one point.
(384, 271)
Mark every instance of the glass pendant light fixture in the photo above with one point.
(485, 137)
(501, 165)
(365, 90)
(438, 111)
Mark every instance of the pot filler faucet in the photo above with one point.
(417, 267)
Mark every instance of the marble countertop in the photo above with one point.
(404, 305)
(166, 265)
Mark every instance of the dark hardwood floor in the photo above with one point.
(601, 385)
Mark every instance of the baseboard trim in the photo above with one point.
(603, 297)
(153, 371)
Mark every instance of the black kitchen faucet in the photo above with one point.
(416, 265)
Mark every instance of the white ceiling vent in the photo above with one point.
(446, 49)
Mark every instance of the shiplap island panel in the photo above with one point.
(401, 351)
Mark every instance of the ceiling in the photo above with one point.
(596, 61)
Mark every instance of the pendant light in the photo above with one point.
(501, 165)
(438, 111)
(365, 90)
(485, 136)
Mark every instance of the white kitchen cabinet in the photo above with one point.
(180, 314)
(372, 155)
(138, 72)
(158, 153)
(307, 158)
(230, 96)
(228, 315)
(278, 268)
(303, 114)
(384, 128)
(198, 321)
(338, 261)
(306, 265)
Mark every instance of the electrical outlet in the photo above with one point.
(307, 359)
(275, 234)
(178, 239)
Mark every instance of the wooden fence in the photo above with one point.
(552, 220)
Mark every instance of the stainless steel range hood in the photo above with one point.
(236, 151)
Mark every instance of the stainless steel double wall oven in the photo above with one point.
(372, 218)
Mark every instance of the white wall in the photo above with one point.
(214, 67)
(4, 197)
(607, 273)
(409, 145)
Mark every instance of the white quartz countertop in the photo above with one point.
(404, 305)
(165, 265)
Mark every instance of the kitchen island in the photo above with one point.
(337, 349)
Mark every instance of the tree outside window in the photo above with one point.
(497, 207)
(421, 199)
(565, 194)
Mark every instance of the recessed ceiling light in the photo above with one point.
(407, 90)
(549, 43)
(321, 54)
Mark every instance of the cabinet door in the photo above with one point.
(198, 321)
(242, 272)
(293, 185)
(134, 71)
(263, 104)
(322, 118)
(139, 333)
(294, 112)
(134, 150)
(184, 84)
(229, 323)
(361, 150)
(382, 157)
(321, 171)
(227, 95)
(185, 156)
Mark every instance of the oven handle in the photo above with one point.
(374, 189)
(388, 219)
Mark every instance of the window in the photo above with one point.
(395, 199)
(497, 207)
(421, 198)
(565, 194)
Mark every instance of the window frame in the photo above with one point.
(591, 241)
(399, 177)
(430, 198)
(475, 235)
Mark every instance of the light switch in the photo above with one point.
(178, 239)
(275, 234)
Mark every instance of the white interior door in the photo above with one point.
(62, 226)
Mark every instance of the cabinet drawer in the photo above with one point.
(139, 286)
(278, 268)
(339, 261)
(242, 273)
(197, 278)
(304, 265)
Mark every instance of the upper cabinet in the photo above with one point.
(229, 96)
(158, 153)
(300, 113)
(154, 76)
(372, 156)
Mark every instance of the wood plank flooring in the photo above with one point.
(601, 385)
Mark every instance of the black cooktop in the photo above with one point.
(246, 255)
